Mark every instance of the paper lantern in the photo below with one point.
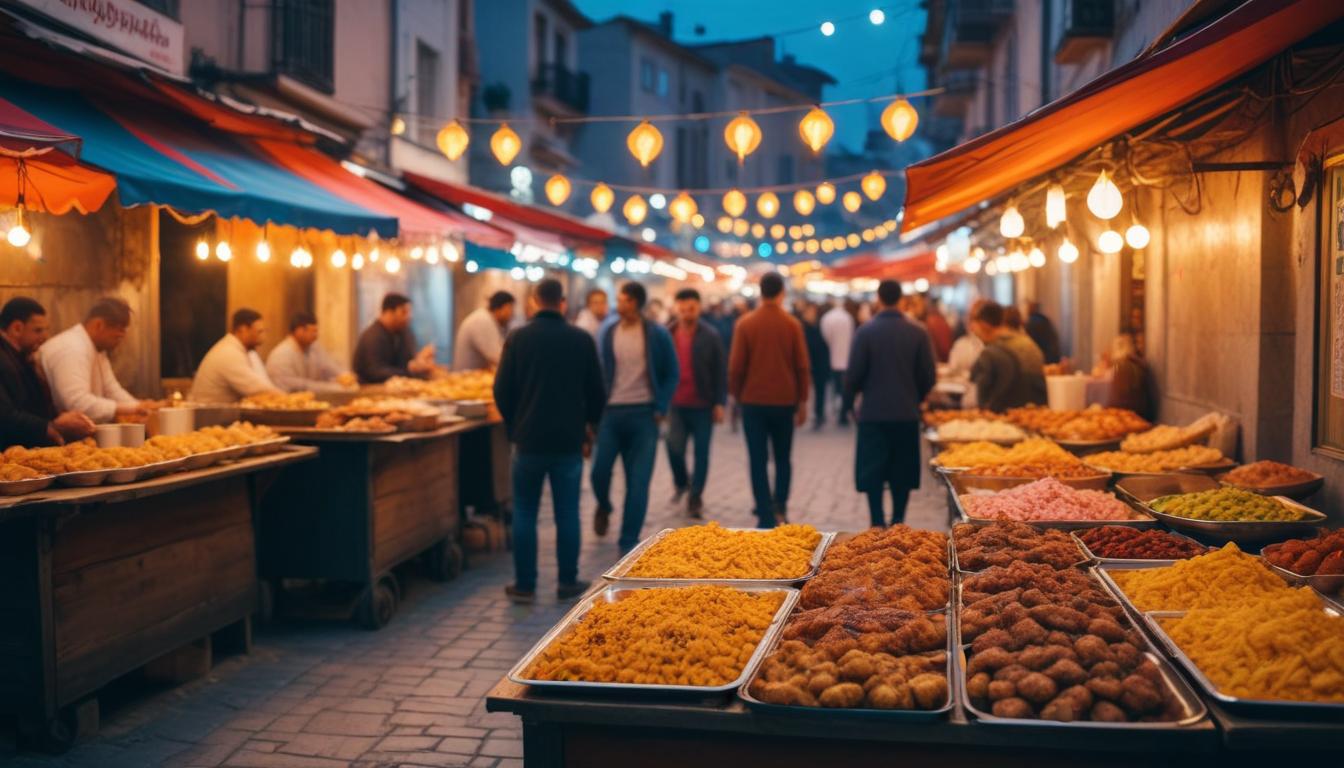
(601, 197)
(899, 119)
(767, 205)
(825, 193)
(1011, 223)
(557, 189)
(852, 200)
(1055, 213)
(803, 202)
(635, 209)
(742, 135)
(505, 144)
(682, 207)
(734, 202)
(453, 140)
(1104, 199)
(874, 185)
(816, 128)
(645, 142)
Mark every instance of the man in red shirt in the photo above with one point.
(697, 402)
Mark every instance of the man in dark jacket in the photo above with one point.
(697, 402)
(548, 389)
(387, 347)
(891, 365)
(1010, 371)
(818, 353)
(27, 416)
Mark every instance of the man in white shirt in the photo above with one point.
(299, 363)
(593, 313)
(232, 369)
(480, 338)
(77, 368)
(837, 328)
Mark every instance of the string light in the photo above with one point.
(505, 144)
(795, 232)
(825, 193)
(18, 235)
(635, 209)
(1104, 199)
(877, 16)
(827, 28)
(698, 221)
(1055, 213)
(682, 208)
(202, 249)
(1036, 258)
(899, 120)
(392, 265)
(453, 140)
(1068, 252)
(724, 224)
(804, 202)
(741, 227)
(432, 255)
(873, 185)
(734, 202)
(1137, 236)
(971, 265)
(338, 258)
(450, 253)
(417, 253)
(1011, 223)
(851, 200)
(645, 143)
(777, 231)
(742, 135)
(853, 240)
(1110, 241)
(263, 251)
(398, 126)
(557, 189)
(357, 261)
(758, 230)
(223, 251)
(657, 201)
(374, 255)
(602, 198)
(767, 204)
(816, 128)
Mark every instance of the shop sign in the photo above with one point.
(124, 24)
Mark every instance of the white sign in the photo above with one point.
(124, 24)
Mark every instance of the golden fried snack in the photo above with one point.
(1032, 451)
(713, 552)
(1158, 461)
(457, 385)
(1223, 577)
(1094, 423)
(796, 675)
(1055, 469)
(284, 401)
(1003, 543)
(840, 628)
(899, 567)
(940, 417)
(10, 473)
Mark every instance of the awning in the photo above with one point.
(874, 266)
(1122, 99)
(576, 232)
(37, 161)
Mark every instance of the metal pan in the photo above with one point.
(617, 572)
(931, 434)
(1143, 490)
(1256, 707)
(1141, 519)
(856, 713)
(614, 592)
(1132, 561)
(1084, 559)
(29, 485)
(962, 481)
(1292, 490)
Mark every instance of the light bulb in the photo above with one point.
(742, 135)
(767, 205)
(263, 251)
(398, 126)
(602, 198)
(223, 251)
(1110, 241)
(296, 258)
(734, 202)
(971, 265)
(724, 224)
(1011, 223)
(375, 255)
(698, 221)
(1104, 199)
(853, 240)
(827, 28)
(816, 128)
(432, 255)
(809, 230)
(1137, 236)
(18, 235)
(635, 209)
(202, 250)
(557, 189)
(804, 202)
(777, 231)
(453, 140)
(873, 185)
(991, 268)
(741, 227)
(877, 16)
(645, 142)
(417, 253)
(648, 234)
(1054, 206)
(852, 200)
(825, 193)
(338, 258)
(1068, 252)
(472, 266)
(505, 144)
(357, 261)
(682, 208)
(868, 235)
(450, 253)
(1036, 258)
(899, 120)
(392, 265)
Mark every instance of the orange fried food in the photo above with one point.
(1003, 543)
(714, 552)
(899, 567)
(797, 675)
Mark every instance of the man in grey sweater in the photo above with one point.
(1010, 371)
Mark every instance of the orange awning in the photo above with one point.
(36, 159)
(1124, 98)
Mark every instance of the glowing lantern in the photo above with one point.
(734, 202)
(1110, 241)
(1054, 206)
(1137, 236)
(453, 140)
(724, 224)
(873, 185)
(777, 231)
(758, 230)
(852, 200)
(682, 207)
(557, 189)
(635, 209)
(1104, 199)
(816, 128)
(825, 193)
(743, 136)
(1011, 223)
(505, 144)
(767, 205)
(602, 197)
(202, 248)
(645, 142)
(803, 202)
(899, 120)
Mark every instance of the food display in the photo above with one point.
(284, 401)
(1053, 645)
(1003, 543)
(12, 473)
(1158, 461)
(1267, 474)
(712, 551)
(85, 455)
(698, 635)
(1227, 505)
(1045, 500)
(1223, 577)
(1092, 424)
(969, 430)
(457, 385)
(801, 676)
(940, 417)
(1319, 556)
(395, 412)
(1118, 542)
(1165, 437)
(1029, 451)
(1074, 469)
(900, 567)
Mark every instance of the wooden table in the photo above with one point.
(98, 582)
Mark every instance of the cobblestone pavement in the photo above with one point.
(327, 694)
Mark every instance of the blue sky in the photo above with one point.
(865, 59)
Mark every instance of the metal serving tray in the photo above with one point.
(85, 479)
(125, 475)
(931, 434)
(1143, 490)
(1261, 707)
(1142, 521)
(1133, 561)
(263, 447)
(853, 713)
(1084, 560)
(616, 573)
(1292, 490)
(615, 592)
(1329, 587)
(961, 478)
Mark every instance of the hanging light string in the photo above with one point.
(693, 191)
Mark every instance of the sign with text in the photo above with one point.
(126, 25)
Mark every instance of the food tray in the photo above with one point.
(85, 479)
(616, 573)
(200, 460)
(1216, 468)
(1296, 491)
(931, 434)
(276, 417)
(231, 453)
(960, 484)
(160, 468)
(423, 423)
(22, 487)
(266, 446)
(1330, 586)
(126, 474)
(1200, 435)
(1098, 482)
(614, 592)
(1277, 708)
(1143, 490)
(336, 434)
(1084, 560)
(1131, 561)
(473, 409)
(1089, 446)
(852, 713)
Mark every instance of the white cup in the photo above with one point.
(132, 435)
(107, 435)
(176, 421)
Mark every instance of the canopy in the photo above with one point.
(1124, 98)
(530, 216)
(37, 160)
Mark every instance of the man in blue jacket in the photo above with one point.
(639, 364)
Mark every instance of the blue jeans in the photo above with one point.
(530, 470)
(769, 427)
(696, 424)
(627, 431)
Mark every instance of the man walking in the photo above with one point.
(837, 328)
(697, 403)
(817, 353)
(1010, 371)
(891, 366)
(768, 375)
(548, 389)
(639, 366)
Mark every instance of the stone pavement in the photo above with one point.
(327, 694)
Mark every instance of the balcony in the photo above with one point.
(1087, 25)
(304, 34)
(969, 28)
(561, 90)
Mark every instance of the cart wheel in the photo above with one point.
(377, 604)
(446, 560)
(57, 735)
(265, 602)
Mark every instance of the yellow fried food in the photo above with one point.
(1165, 437)
(285, 401)
(1032, 451)
(1223, 577)
(1158, 461)
(10, 473)
(714, 552)
(1092, 423)
(700, 635)
(458, 385)
(1279, 646)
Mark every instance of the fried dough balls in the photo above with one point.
(797, 675)
(1004, 543)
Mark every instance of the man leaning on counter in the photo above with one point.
(27, 415)
(77, 367)
(232, 369)
(387, 347)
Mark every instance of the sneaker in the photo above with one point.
(601, 520)
(571, 591)
(520, 596)
(678, 495)
(694, 506)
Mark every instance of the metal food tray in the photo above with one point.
(25, 486)
(200, 460)
(931, 434)
(1292, 490)
(1098, 482)
(613, 593)
(1144, 521)
(1133, 561)
(956, 561)
(123, 475)
(1143, 490)
(853, 713)
(263, 447)
(616, 573)
(1254, 707)
(281, 417)
(1329, 587)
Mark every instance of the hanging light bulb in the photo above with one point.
(450, 252)
(1104, 199)
(1036, 258)
(432, 255)
(852, 240)
(635, 209)
(698, 220)
(795, 232)
(1137, 236)
(202, 249)
(682, 208)
(767, 205)
(223, 251)
(734, 202)
(868, 235)
(777, 231)
(804, 202)
(1011, 223)
(357, 261)
(263, 251)
(557, 189)
(741, 227)
(971, 265)
(1054, 206)
(505, 144)
(398, 126)
(1068, 252)
(453, 140)
(392, 265)
(899, 119)
(645, 142)
(296, 258)
(816, 128)
(417, 253)
(374, 255)
(18, 235)
(873, 185)
(338, 258)
(758, 230)
(724, 224)
(851, 200)
(825, 193)
(602, 198)
(1110, 241)
(743, 136)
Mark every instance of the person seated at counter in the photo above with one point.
(384, 348)
(27, 415)
(1010, 371)
(299, 363)
(232, 369)
(76, 365)
(480, 338)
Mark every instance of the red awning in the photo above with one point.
(530, 216)
(872, 265)
(1128, 96)
(38, 159)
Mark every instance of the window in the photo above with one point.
(561, 53)
(169, 8)
(539, 43)
(1329, 418)
(662, 83)
(426, 89)
(648, 75)
(305, 32)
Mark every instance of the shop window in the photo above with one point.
(426, 89)
(305, 33)
(1329, 411)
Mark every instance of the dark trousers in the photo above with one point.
(769, 428)
(838, 376)
(627, 431)
(820, 380)
(530, 471)
(900, 497)
(695, 424)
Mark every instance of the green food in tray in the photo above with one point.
(1226, 505)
